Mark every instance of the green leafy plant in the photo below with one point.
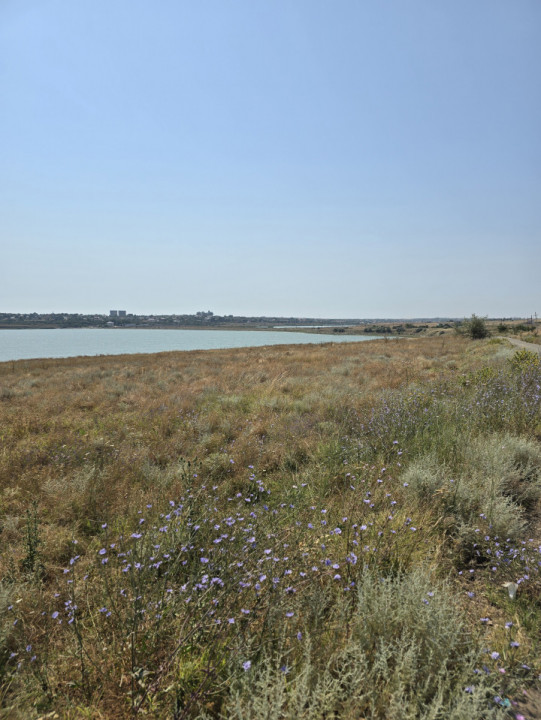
(476, 328)
(31, 562)
(524, 360)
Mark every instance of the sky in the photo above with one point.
(309, 158)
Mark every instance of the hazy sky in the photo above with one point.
(329, 158)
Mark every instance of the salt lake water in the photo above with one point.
(27, 344)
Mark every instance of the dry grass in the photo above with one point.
(84, 436)
(89, 441)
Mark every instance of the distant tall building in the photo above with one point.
(113, 313)
(121, 313)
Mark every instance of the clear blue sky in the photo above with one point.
(353, 158)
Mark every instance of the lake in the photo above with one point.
(28, 344)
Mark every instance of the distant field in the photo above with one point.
(290, 532)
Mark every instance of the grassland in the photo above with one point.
(283, 532)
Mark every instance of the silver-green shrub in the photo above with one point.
(515, 461)
(498, 478)
(407, 655)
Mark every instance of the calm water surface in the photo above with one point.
(27, 344)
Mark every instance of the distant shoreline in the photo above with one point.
(388, 329)
(263, 328)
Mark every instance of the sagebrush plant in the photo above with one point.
(406, 654)
(497, 478)
(515, 463)
(211, 526)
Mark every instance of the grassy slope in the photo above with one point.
(352, 465)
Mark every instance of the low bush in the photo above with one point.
(475, 327)
(497, 478)
(407, 654)
(524, 360)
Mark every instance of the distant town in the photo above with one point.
(207, 319)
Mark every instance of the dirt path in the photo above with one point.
(533, 347)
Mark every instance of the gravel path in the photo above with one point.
(533, 347)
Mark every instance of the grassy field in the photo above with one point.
(286, 532)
